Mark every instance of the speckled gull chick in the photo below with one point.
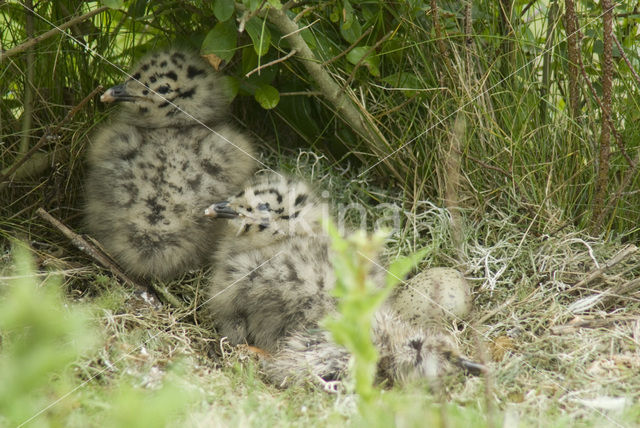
(272, 282)
(164, 155)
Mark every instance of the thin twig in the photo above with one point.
(365, 56)
(269, 64)
(626, 59)
(304, 93)
(32, 42)
(602, 177)
(527, 7)
(616, 134)
(573, 53)
(488, 166)
(597, 273)
(578, 323)
(442, 48)
(43, 139)
(349, 49)
(359, 121)
(27, 114)
(92, 251)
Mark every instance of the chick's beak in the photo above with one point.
(471, 367)
(115, 94)
(220, 210)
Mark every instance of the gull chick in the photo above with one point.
(155, 164)
(271, 285)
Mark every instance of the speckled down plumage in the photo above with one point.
(406, 354)
(271, 270)
(155, 166)
(271, 285)
(431, 296)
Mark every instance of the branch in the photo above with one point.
(357, 120)
(269, 64)
(616, 134)
(628, 176)
(27, 114)
(626, 59)
(349, 49)
(452, 179)
(597, 273)
(573, 52)
(43, 139)
(92, 251)
(365, 56)
(602, 177)
(32, 42)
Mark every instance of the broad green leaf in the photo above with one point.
(335, 14)
(229, 86)
(404, 80)
(223, 9)
(253, 5)
(275, 4)
(260, 35)
(371, 61)
(347, 11)
(113, 4)
(352, 32)
(249, 59)
(221, 41)
(267, 96)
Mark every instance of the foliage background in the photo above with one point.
(475, 110)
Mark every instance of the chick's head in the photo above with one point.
(272, 207)
(169, 88)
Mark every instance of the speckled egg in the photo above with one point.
(434, 295)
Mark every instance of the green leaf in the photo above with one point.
(347, 10)
(229, 86)
(267, 96)
(221, 41)
(352, 31)
(403, 266)
(113, 4)
(371, 61)
(253, 5)
(223, 9)
(260, 35)
(275, 4)
(405, 81)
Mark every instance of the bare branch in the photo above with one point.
(32, 42)
(269, 64)
(602, 178)
(573, 53)
(347, 50)
(92, 251)
(626, 59)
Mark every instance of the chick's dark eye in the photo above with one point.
(264, 207)
(164, 89)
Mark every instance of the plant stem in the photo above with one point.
(358, 119)
(602, 177)
(27, 114)
(573, 52)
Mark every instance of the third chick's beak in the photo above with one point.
(220, 210)
(115, 94)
